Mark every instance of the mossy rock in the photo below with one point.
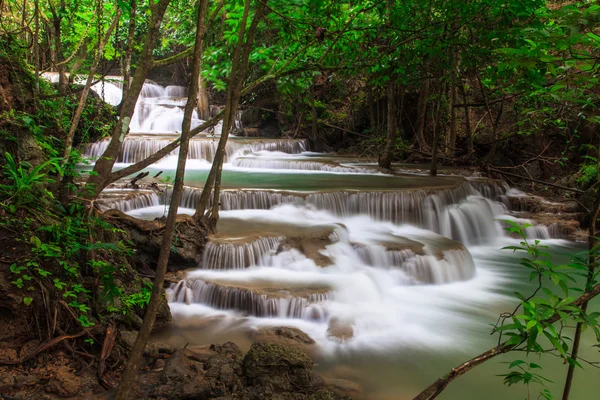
(278, 368)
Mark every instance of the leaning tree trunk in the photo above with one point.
(234, 90)
(129, 51)
(101, 176)
(135, 358)
(385, 161)
(88, 85)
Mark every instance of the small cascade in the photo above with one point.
(244, 162)
(490, 189)
(133, 203)
(471, 221)
(279, 303)
(237, 256)
(454, 265)
(111, 91)
(110, 88)
(135, 149)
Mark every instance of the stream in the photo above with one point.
(397, 278)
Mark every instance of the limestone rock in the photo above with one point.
(182, 378)
(340, 331)
(278, 369)
(287, 336)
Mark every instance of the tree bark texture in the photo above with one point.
(385, 161)
(103, 167)
(135, 358)
(88, 85)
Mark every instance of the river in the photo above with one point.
(396, 278)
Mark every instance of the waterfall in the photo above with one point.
(135, 149)
(236, 256)
(143, 200)
(299, 165)
(453, 266)
(249, 302)
(459, 213)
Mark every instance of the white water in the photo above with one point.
(411, 271)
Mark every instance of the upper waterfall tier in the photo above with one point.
(158, 110)
(137, 148)
(460, 212)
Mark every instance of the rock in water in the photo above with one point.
(340, 331)
(287, 336)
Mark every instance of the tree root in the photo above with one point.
(43, 347)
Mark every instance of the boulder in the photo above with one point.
(287, 336)
(224, 371)
(182, 378)
(278, 369)
(340, 331)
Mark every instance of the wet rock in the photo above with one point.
(273, 369)
(224, 370)
(152, 348)
(287, 336)
(182, 378)
(340, 331)
(537, 204)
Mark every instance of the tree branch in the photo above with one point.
(116, 175)
(433, 390)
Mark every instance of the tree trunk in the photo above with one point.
(435, 140)
(88, 85)
(203, 102)
(234, 90)
(234, 98)
(314, 119)
(103, 167)
(468, 132)
(129, 51)
(385, 161)
(592, 265)
(36, 53)
(453, 121)
(422, 114)
(495, 130)
(372, 120)
(56, 48)
(135, 358)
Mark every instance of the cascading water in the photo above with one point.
(397, 258)
(135, 149)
